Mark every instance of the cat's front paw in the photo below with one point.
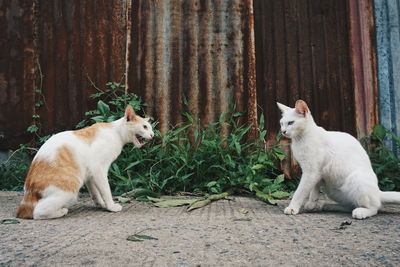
(114, 207)
(291, 211)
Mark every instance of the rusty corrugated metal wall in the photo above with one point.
(303, 53)
(17, 70)
(68, 43)
(196, 55)
(201, 51)
(79, 41)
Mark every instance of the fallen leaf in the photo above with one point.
(243, 220)
(142, 199)
(199, 204)
(139, 192)
(218, 196)
(140, 238)
(267, 198)
(167, 203)
(133, 239)
(123, 199)
(280, 194)
(145, 237)
(9, 221)
(243, 211)
(154, 199)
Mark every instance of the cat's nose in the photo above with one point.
(284, 132)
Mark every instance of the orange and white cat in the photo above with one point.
(72, 158)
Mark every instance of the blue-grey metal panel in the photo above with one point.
(387, 22)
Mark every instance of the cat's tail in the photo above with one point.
(390, 197)
(25, 209)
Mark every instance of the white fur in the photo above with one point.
(53, 203)
(93, 159)
(335, 161)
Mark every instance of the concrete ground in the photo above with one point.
(210, 236)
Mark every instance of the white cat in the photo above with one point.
(334, 160)
(72, 158)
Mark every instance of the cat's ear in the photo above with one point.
(129, 113)
(146, 119)
(301, 107)
(282, 107)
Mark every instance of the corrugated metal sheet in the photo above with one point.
(17, 69)
(364, 65)
(199, 56)
(69, 43)
(322, 52)
(200, 51)
(302, 50)
(387, 13)
(78, 40)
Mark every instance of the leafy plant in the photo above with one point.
(13, 171)
(385, 161)
(189, 157)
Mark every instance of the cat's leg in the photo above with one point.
(362, 191)
(362, 213)
(308, 182)
(367, 201)
(100, 181)
(312, 203)
(53, 204)
(95, 194)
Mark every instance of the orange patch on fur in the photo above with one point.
(62, 173)
(89, 133)
(25, 210)
(301, 107)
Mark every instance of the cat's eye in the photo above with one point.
(290, 122)
(145, 127)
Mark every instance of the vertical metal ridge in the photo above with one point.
(148, 55)
(195, 56)
(191, 58)
(161, 62)
(203, 59)
(250, 73)
(176, 67)
(205, 56)
(128, 44)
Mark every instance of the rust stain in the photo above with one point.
(200, 57)
(250, 76)
(17, 70)
(80, 42)
(364, 65)
(200, 65)
(128, 46)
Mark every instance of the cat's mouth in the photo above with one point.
(139, 140)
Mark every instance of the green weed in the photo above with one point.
(185, 158)
(385, 161)
(13, 171)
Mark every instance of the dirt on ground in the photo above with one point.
(220, 234)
